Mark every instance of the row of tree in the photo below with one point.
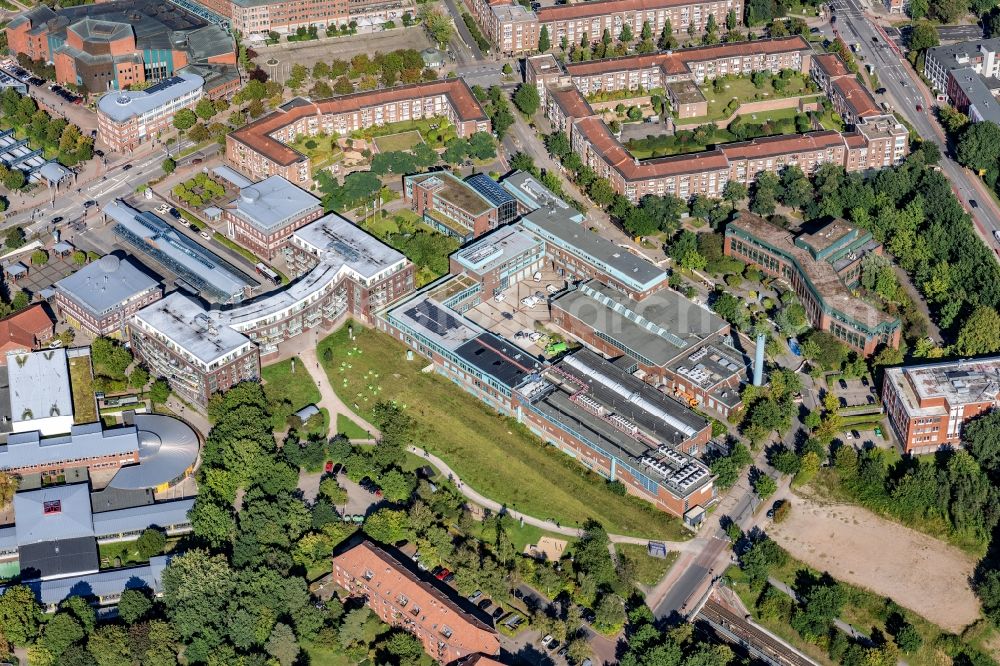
(55, 136)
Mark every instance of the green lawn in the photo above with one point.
(125, 552)
(434, 131)
(323, 153)
(81, 381)
(648, 570)
(398, 142)
(492, 453)
(345, 426)
(280, 383)
(743, 90)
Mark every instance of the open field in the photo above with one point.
(919, 572)
(81, 381)
(648, 570)
(281, 383)
(352, 430)
(491, 453)
(400, 141)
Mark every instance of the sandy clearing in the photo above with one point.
(919, 572)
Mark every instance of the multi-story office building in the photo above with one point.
(980, 56)
(259, 149)
(112, 45)
(928, 405)
(101, 296)
(340, 271)
(450, 627)
(622, 428)
(821, 268)
(463, 209)
(515, 30)
(676, 343)
(126, 119)
(974, 95)
(265, 214)
(177, 339)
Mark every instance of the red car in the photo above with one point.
(919, 107)
(441, 575)
(329, 466)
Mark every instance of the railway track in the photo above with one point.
(758, 643)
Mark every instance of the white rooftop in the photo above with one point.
(184, 322)
(336, 241)
(106, 284)
(39, 385)
(122, 105)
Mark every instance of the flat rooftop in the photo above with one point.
(39, 385)
(685, 91)
(28, 449)
(426, 316)
(709, 366)
(122, 105)
(554, 227)
(531, 193)
(272, 203)
(496, 357)
(455, 192)
(339, 242)
(923, 388)
(655, 330)
(53, 513)
(103, 286)
(186, 324)
(496, 248)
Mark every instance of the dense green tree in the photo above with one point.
(764, 486)
(923, 35)
(544, 43)
(196, 588)
(979, 146)
(150, 542)
(526, 99)
(134, 604)
(185, 119)
(109, 646)
(980, 334)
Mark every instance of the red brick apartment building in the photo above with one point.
(515, 30)
(259, 149)
(449, 627)
(286, 16)
(112, 45)
(821, 268)
(875, 142)
(26, 330)
(928, 405)
(850, 99)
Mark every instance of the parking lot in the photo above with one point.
(522, 315)
(857, 393)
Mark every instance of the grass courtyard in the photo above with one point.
(350, 429)
(296, 386)
(742, 90)
(435, 132)
(400, 141)
(81, 381)
(648, 570)
(493, 454)
(322, 151)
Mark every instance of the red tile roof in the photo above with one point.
(855, 140)
(600, 137)
(676, 62)
(832, 65)
(782, 145)
(571, 102)
(21, 330)
(256, 135)
(857, 97)
(437, 611)
(602, 7)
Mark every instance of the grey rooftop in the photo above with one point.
(39, 385)
(104, 285)
(185, 323)
(272, 203)
(337, 241)
(123, 105)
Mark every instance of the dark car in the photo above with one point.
(843, 402)
(174, 213)
(99, 153)
(497, 613)
(518, 594)
(864, 381)
(484, 604)
(875, 39)
(774, 508)
(920, 107)
(35, 81)
(588, 615)
(506, 315)
(880, 91)
(856, 434)
(973, 203)
(197, 160)
(813, 31)
(842, 384)
(871, 400)
(57, 220)
(450, 577)
(89, 203)
(126, 167)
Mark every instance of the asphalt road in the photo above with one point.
(904, 91)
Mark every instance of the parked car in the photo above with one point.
(546, 639)
(842, 384)
(588, 615)
(878, 431)
(497, 613)
(499, 298)
(450, 577)
(474, 597)
(163, 208)
(328, 467)
(856, 434)
(871, 400)
(848, 435)
(518, 594)
(441, 575)
(506, 315)
(843, 402)
(184, 222)
(553, 645)
(205, 235)
(864, 381)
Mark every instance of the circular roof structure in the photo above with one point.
(168, 447)
(109, 263)
(250, 194)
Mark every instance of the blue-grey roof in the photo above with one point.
(336, 241)
(233, 176)
(16, 269)
(307, 411)
(53, 513)
(8, 539)
(530, 192)
(54, 172)
(125, 104)
(982, 104)
(107, 585)
(138, 518)
(186, 323)
(39, 385)
(63, 246)
(273, 203)
(188, 259)
(26, 449)
(554, 226)
(106, 285)
(167, 448)
(489, 188)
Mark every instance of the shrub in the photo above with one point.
(781, 513)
